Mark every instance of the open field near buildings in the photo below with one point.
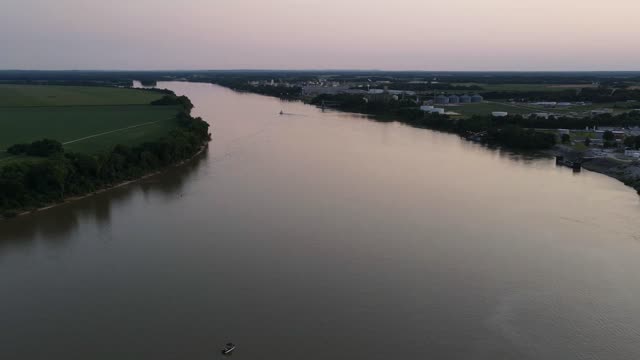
(525, 87)
(487, 107)
(54, 95)
(572, 86)
(578, 108)
(484, 108)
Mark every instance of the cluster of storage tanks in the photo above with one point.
(455, 99)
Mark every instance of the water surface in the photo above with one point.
(323, 235)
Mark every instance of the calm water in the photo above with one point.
(329, 236)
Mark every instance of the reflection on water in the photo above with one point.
(338, 236)
(57, 224)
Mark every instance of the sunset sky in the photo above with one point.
(321, 34)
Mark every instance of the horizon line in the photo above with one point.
(326, 70)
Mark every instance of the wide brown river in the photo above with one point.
(324, 235)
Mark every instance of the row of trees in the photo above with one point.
(507, 131)
(43, 148)
(282, 92)
(28, 184)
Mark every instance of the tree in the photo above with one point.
(42, 148)
(566, 138)
(608, 136)
(609, 139)
(587, 142)
(18, 149)
(630, 141)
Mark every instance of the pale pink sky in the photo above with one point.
(321, 34)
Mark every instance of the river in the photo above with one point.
(325, 235)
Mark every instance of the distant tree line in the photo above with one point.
(431, 86)
(618, 79)
(282, 92)
(31, 183)
(108, 83)
(148, 82)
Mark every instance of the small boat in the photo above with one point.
(228, 349)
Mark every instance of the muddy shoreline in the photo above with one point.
(626, 172)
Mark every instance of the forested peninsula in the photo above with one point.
(44, 173)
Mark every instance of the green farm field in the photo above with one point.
(53, 95)
(83, 118)
(86, 128)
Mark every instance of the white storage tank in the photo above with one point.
(465, 99)
(441, 99)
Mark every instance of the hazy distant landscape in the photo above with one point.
(316, 180)
(586, 119)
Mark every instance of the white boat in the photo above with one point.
(228, 348)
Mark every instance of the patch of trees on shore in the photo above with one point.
(282, 92)
(170, 99)
(31, 183)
